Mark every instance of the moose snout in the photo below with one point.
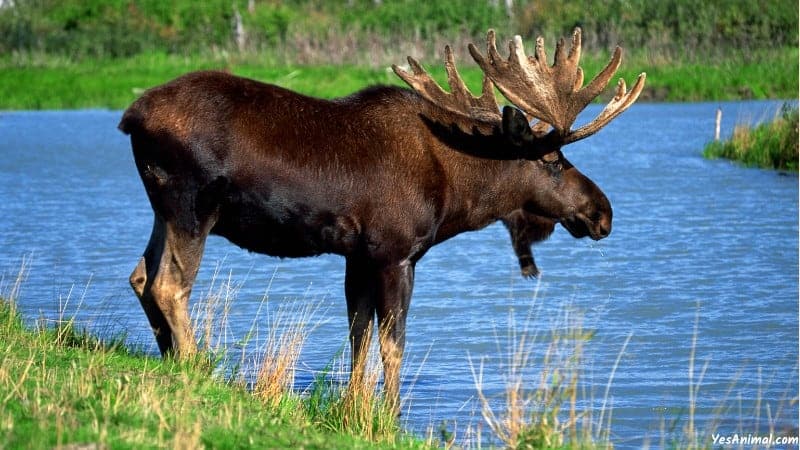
(603, 228)
(599, 223)
(594, 221)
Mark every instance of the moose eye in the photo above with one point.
(552, 161)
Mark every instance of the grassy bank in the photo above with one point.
(46, 82)
(62, 388)
(772, 145)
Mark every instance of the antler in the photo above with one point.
(460, 100)
(555, 94)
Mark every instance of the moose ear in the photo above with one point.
(516, 127)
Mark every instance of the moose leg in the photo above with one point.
(394, 296)
(163, 281)
(359, 288)
(139, 282)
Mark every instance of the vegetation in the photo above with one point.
(61, 387)
(540, 408)
(101, 53)
(315, 31)
(771, 145)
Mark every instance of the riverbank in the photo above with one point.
(63, 388)
(37, 82)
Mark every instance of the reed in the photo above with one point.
(358, 408)
(539, 404)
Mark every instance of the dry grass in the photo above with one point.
(358, 409)
(693, 437)
(540, 403)
(288, 331)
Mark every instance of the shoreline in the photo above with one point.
(48, 82)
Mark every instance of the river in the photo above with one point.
(702, 261)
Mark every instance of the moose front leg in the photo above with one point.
(527, 229)
(387, 291)
(360, 288)
(396, 285)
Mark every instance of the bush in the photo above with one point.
(682, 28)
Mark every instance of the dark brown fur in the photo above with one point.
(378, 177)
(527, 229)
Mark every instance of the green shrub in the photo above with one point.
(681, 28)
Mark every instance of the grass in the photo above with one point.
(772, 145)
(114, 84)
(37, 82)
(539, 405)
(60, 387)
(765, 74)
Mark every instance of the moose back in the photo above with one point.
(379, 177)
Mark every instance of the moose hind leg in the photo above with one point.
(163, 282)
(141, 281)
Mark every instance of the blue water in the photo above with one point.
(701, 250)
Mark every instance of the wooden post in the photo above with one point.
(717, 125)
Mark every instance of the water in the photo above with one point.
(696, 244)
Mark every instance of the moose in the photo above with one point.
(378, 177)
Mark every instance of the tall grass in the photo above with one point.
(539, 405)
(288, 332)
(357, 408)
(772, 145)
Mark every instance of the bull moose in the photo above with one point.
(379, 176)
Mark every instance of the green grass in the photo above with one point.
(771, 145)
(765, 75)
(114, 84)
(45, 82)
(63, 387)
